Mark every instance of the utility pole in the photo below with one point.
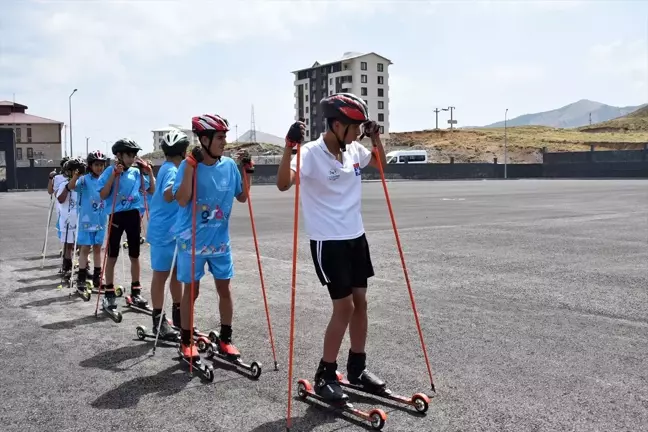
(65, 139)
(87, 151)
(70, 107)
(436, 111)
(236, 126)
(253, 138)
(505, 142)
(590, 119)
(452, 121)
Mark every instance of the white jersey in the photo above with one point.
(56, 182)
(330, 191)
(67, 214)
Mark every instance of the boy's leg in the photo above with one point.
(222, 268)
(133, 230)
(175, 286)
(332, 265)
(116, 231)
(187, 303)
(357, 361)
(96, 259)
(161, 266)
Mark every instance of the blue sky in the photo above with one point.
(140, 65)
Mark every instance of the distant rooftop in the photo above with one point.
(346, 56)
(171, 126)
(12, 112)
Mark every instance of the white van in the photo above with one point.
(407, 156)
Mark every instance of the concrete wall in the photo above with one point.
(596, 156)
(36, 177)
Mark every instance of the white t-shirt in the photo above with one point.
(331, 192)
(68, 209)
(58, 180)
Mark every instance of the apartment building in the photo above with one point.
(159, 133)
(365, 75)
(36, 137)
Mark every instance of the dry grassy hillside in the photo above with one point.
(525, 143)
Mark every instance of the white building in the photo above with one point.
(365, 75)
(159, 133)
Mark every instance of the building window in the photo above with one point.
(30, 153)
(381, 104)
(330, 81)
(382, 130)
(29, 134)
(307, 133)
(381, 117)
(18, 153)
(324, 83)
(380, 67)
(306, 86)
(363, 91)
(18, 135)
(363, 79)
(363, 65)
(306, 98)
(381, 79)
(306, 121)
(381, 92)
(306, 110)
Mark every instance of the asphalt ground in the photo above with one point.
(531, 294)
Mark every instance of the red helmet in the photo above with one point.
(345, 107)
(209, 122)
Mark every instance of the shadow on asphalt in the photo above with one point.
(49, 301)
(129, 393)
(32, 288)
(39, 268)
(38, 278)
(70, 324)
(39, 257)
(109, 360)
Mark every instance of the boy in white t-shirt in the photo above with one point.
(331, 196)
(67, 200)
(55, 180)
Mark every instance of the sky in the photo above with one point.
(141, 65)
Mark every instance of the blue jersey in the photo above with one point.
(92, 216)
(129, 195)
(162, 214)
(217, 186)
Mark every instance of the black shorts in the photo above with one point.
(128, 221)
(342, 265)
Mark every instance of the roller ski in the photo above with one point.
(224, 349)
(96, 283)
(80, 287)
(136, 302)
(189, 355)
(66, 273)
(419, 401)
(167, 333)
(109, 306)
(361, 380)
(375, 417)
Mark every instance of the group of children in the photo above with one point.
(110, 199)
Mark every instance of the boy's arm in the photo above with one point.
(182, 190)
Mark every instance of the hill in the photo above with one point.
(573, 115)
(256, 149)
(524, 143)
(263, 138)
(636, 121)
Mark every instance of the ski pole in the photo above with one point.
(67, 230)
(49, 221)
(173, 263)
(402, 258)
(294, 290)
(194, 213)
(110, 220)
(246, 185)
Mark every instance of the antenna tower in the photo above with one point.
(253, 139)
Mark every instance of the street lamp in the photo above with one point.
(505, 142)
(70, 107)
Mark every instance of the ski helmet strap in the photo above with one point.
(211, 138)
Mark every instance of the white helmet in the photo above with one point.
(174, 143)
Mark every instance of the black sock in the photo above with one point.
(109, 290)
(185, 335)
(175, 313)
(226, 333)
(157, 312)
(136, 289)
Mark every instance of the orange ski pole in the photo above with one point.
(105, 258)
(194, 198)
(294, 290)
(246, 185)
(402, 258)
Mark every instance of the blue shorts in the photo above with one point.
(162, 257)
(221, 267)
(91, 238)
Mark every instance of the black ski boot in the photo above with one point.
(96, 277)
(136, 297)
(326, 383)
(109, 300)
(175, 314)
(81, 280)
(167, 333)
(66, 271)
(358, 374)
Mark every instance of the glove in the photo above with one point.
(195, 157)
(370, 128)
(295, 135)
(52, 175)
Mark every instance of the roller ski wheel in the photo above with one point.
(205, 371)
(125, 245)
(143, 333)
(85, 294)
(420, 401)
(119, 290)
(375, 417)
(213, 351)
(142, 240)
